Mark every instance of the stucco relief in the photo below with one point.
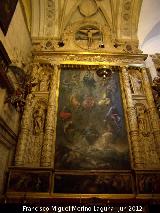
(50, 17)
(89, 58)
(88, 37)
(146, 138)
(88, 7)
(38, 119)
(142, 119)
(48, 148)
(32, 125)
(136, 81)
(41, 77)
(126, 18)
(35, 132)
(143, 140)
(78, 36)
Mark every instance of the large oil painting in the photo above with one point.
(91, 131)
(7, 8)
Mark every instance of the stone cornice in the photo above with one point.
(89, 58)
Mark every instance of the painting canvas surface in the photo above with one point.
(7, 8)
(28, 181)
(94, 184)
(91, 131)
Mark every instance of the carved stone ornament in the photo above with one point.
(32, 132)
(50, 17)
(143, 140)
(126, 18)
(146, 138)
(156, 92)
(136, 81)
(142, 119)
(120, 59)
(38, 119)
(88, 7)
(41, 75)
(74, 40)
(88, 37)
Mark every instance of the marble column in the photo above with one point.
(48, 148)
(154, 118)
(24, 132)
(132, 121)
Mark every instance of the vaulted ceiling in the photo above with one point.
(122, 19)
(49, 18)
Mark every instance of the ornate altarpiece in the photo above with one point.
(35, 174)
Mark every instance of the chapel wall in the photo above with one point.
(17, 44)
